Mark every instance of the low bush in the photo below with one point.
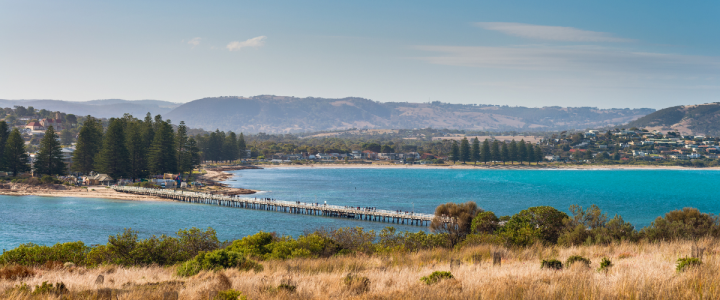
(230, 295)
(605, 265)
(217, 260)
(577, 258)
(48, 288)
(16, 272)
(47, 179)
(357, 284)
(146, 184)
(436, 277)
(35, 255)
(551, 264)
(687, 263)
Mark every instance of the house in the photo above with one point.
(55, 123)
(67, 154)
(369, 154)
(387, 156)
(97, 179)
(552, 157)
(34, 126)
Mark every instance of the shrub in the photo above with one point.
(436, 277)
(462, 215)
(47, 179)
(688, 223)
(605, 264)
(551, 264)
(146, 184)
(540, 222)
(35, 255)
(357, 284)
(48, 288)
(577, 258)
(16, 272)
(485, 222)
(217, 260)
(287, 287)
(686, 263)
(230, 295)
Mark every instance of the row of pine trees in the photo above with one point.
(14, 158)
(495, 151)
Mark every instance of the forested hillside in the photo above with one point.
(689, 119)
(276, 114)
(109, 108)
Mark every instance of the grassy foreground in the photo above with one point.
(640, 270)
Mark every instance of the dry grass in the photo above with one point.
(640, 271)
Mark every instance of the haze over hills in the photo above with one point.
(686, 119)
(107, 108)
(276, 114)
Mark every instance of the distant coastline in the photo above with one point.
(491, 167)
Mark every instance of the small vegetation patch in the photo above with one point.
(48, 288)
(605, 265)
(217, 260)
(687, 263)
(436, 277)
(577, 258)
(230, 295)
(357, 284)
(551, 264)
(16, 272)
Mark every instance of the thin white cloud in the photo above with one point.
(584, 60)
(550, 33)
(253, 42)
(194, 41)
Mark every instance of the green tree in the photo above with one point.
(241, 146)
(137, 151)
(455, 152)
(475, 150)
(588, 154)
(49, 159)
(230, 147)
(194, 152)
(616, 156)
(16, 159)
(114, 157)
(454, 219)
(485, 153)
(184, 157)
(4, 134)
(504, 153)
(538, 154)
(88, 145)
(162, 156)
(464, 150)
(495, 151)
(522, 151)
(530, 152)
(541, 222)
(66, 137)
(513, 152)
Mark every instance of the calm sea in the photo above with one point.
(637, 195)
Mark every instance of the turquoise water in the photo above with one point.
(638, 195)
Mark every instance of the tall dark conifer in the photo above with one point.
(455, 152)
(530, 152)
(242, 147)
(485, 152)
(464, 150)
(230, 146)
(137, 151)
(475, 157)
(16, 159)
(163, 157)
(504, 153)
(184, 159)
(49, 159)
(4, 134)
(114, 158)
(88, 145)
(522, 151)
(495, 150)
(513, 152)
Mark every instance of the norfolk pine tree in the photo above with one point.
(163, 157)
(504, 154)
(114, 158)
(495, 151)
(538, 154)
(241, 146)
(522, 151)
(513, 152)
(88, 145)
(464, 150)
(16, 160)
(49, 159)
(136, 149)
(4, 134)
(485, 152)
(530, 152)
(455, 151)
(184, 157)
(475, 150)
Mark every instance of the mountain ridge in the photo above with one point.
(686, 119)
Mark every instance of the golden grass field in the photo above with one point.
(640, 271)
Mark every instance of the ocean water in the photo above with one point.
(638, 195)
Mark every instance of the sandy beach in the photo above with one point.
(491, 167)
(98, 191)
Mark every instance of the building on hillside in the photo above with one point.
(34, 126)
(67, 154)
(55, 123)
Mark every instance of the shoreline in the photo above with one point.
(98, 191)
(489, 167)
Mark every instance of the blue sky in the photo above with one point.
(530, 53)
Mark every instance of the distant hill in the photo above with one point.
(688, 119)
(278, 114)
(98, 108)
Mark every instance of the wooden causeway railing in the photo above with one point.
(297, 207)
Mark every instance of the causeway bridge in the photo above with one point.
(293, 207)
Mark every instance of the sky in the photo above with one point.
(527, 53)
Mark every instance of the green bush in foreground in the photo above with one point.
(217, 260)
(34, 255)
(230, 295)
(436, 277)
(577, 258)
(686, 263)
(551, 264)
(605, 265)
